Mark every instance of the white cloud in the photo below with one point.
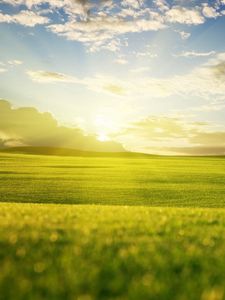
(196, 54)
(162, 5)
(103, 25)
(104, 32)
(136, 4)
(209, 11)
(183, 15)
(24, 17)
(95, 25)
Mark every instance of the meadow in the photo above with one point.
(112, 227)
(152, 181)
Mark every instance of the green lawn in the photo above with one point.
(154, 181)
(124, 249)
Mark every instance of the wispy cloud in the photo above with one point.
(205, 81)
(196, 54)
(98, 83)
(147, 53)
(51, 77)
(15, 62)
(4, 67)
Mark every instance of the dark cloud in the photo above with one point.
(28, 127)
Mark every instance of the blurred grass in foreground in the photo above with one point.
(111, 252)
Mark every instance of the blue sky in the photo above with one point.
(131, 71)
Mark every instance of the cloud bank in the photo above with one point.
(175, 136)
(28, 127)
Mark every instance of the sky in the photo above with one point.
(149, 75)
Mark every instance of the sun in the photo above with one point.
(104, 126)
(102, 137)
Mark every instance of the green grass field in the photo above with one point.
(158, 231)
(153, 181)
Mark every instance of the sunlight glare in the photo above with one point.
(102, 137)
(104, 126)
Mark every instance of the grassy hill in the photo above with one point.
(70, 152)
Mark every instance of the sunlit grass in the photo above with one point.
(124, 249)
(169, 181)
